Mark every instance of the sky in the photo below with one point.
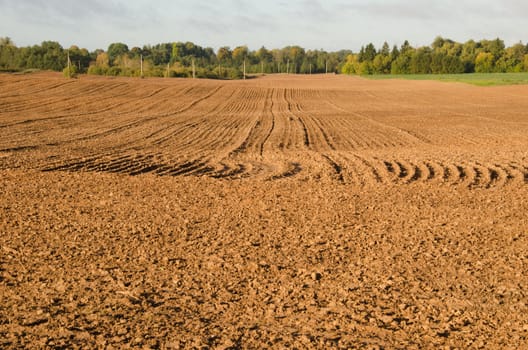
(313, 24)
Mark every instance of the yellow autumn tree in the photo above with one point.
(352, 65)
(484, 62)
(102, 60)
(101, 64)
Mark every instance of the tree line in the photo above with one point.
(443, 56)
(178, 59)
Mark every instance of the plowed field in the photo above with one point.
(277, 212)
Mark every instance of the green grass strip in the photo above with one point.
(479, 79)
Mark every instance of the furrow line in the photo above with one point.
(336, 167)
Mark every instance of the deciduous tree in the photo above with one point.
(115, 50)
(484, 62)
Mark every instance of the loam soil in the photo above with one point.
(278, 212)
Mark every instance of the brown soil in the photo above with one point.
(279, 212)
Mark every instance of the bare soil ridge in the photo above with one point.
(270, 127)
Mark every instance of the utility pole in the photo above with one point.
(168, 69)
(69, 65)
(310, 69)
(141, 64)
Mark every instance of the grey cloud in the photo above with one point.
(314, 9)
(499, 10)
(312, 23)
(56, 9)
(437, 10)
(400, 9)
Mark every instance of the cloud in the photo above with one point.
(328, 24)
(219, 23)
(400, 9)
(314, 11)
(57, 10)
(437, 10)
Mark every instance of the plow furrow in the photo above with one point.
(346, 131)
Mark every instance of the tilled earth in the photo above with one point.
(326, 212)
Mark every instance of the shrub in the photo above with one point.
(114, 71)
(70, 72)
(97, 70)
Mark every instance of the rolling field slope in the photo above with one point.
(281, 211)
(350, 130)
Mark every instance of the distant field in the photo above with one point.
(480, 79)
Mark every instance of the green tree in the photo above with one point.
(8, 53)
(135, 52)
(495, 47)
(468, 55)
(160, 54)
(239, 54)
(80, 58)
(264, 54)
(420, 62)
(402, 64)
(366, 68)
(321, 61)
(367, 53)
(52, 56)
(406, 47)
(382, 64)
(511, 60)
(264, 57)
(224, 54)
(115, 50)
(178, 51)
(191, 49)
(437, 63)
(395, 52)
(438, 43)
(452, 65)
(385, 49)
(296, 56)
